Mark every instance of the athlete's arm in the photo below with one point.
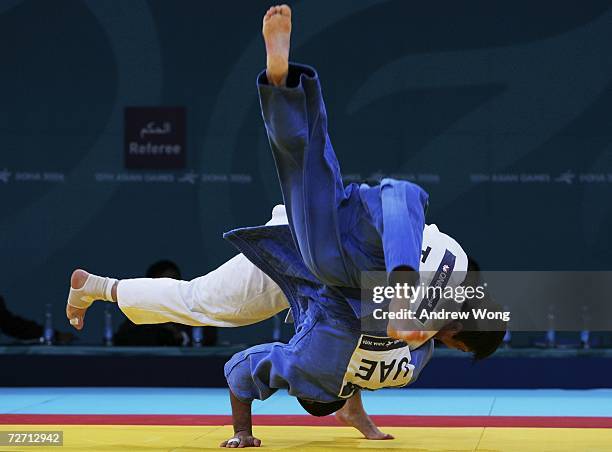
(403, 212)
(403, 219)
(243, 425)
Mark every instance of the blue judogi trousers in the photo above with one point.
(339, 231)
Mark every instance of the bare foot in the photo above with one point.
(86, 288)
(354, 415)
(76, 316)
(277, 33)
(363, 423)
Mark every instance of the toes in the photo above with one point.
(284, 10)
(75, 316)
(77, 323)
(384, 436)
(271, 11)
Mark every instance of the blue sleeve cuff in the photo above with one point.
(297, 74)
(248, 373)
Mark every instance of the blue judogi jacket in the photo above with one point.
(328, 358)
(334, 234)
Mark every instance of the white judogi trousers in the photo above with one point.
(238, 293)
(235, 294)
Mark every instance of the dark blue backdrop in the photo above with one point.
(501, 110)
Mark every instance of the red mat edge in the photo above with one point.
(304, 420)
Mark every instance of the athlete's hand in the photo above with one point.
(413, 338)
(241, 439)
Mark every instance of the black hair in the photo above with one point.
(482, 344)
(160, 267)
(483, 339)
(320, 409)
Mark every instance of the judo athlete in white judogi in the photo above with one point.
(237, 293)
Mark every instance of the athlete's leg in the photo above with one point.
(296, 123)
(235, 294)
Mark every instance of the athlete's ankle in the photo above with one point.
(114, 291)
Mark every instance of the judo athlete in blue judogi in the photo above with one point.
(316, 261)
(335, 233)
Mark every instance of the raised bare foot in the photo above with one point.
(277, 33)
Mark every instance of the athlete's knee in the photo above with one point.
(188, 291)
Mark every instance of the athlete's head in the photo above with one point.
(481, 343)
(480, 337)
